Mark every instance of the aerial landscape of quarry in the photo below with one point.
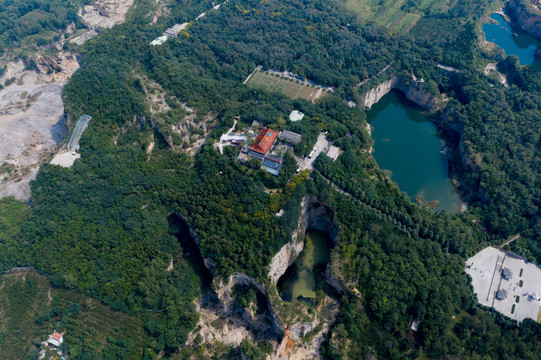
(278, 180)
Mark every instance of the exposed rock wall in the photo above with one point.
(320, 218)
(225, 289)
(412, 89)
(375, 94)
(332, 280)
(299, 330)
(526, 15)
(314, 216)
(209, 264)
(290, 251)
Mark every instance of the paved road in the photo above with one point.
(335, 187)
(321, 145)
(380, 72)
(513, 238)
(225, 137)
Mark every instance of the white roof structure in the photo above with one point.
(415, 325)
(159, 40)
(296, 115)
(333, 152)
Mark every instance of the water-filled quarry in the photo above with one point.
(408, 146)
(299, 282)
(513, 40)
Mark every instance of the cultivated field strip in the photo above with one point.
(293, 90)
(394, 14)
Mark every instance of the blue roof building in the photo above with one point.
(272, 164)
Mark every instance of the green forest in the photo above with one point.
(104, 228)
(23, 23)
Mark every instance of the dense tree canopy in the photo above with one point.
(101, 227)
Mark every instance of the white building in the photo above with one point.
(159, 40)
(333, 152)
(296, 115)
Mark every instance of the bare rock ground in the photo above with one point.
(31, 122)
(492, 69)
(230, 330)
(103, 14)
(31, 107)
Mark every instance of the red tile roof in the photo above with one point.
(57, 336)
(264, 140)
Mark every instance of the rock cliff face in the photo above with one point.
(320, 218)
(290, 251)
(299, 330)
(208, 263)
(412, 89)
(225, 289)
(375, 94)
(526, 15)
(314, 216)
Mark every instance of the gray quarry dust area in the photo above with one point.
(31, 107)
(31, 123)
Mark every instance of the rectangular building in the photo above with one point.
(333, 152)
(272, 164)
(290, 137)
(263, 142)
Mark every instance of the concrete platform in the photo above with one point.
(486, 268)
(65, 159)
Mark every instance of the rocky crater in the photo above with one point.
(220, 319)
(314, 216)
(269, 319)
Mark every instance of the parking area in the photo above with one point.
(501, 279)
(321, 145)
